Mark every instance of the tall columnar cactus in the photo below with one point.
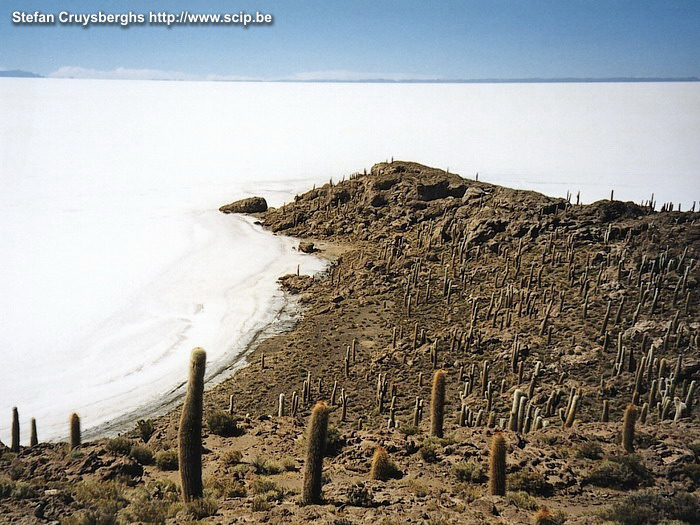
(513, 419)
(280, 406)
(437, 404)
(497, 466)
(33, 439)
(14, 447)
(571, 416)
(315, 450)
(74, 431)
(628, 428)
(643, 413)
(190, 431)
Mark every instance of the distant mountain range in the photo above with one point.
(18, 73)
(27, 74)
(500, 80)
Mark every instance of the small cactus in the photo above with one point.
(628, 428)
(14, 447)
(33, 440)
(74, 431)
(383, 468)
(437, 404)
(190, 431)
(315, 450)
(497, 466)
(544, 516)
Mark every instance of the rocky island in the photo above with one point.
(474, 354)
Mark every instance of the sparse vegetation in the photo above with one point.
(260, 504)
(223, 488)
(429, 452)
(265, 466)
(151, 504)
(232, 457)
(145, 429)
(589, 450)
(289, 464)
(201, 508)
(685, 471)
(620, 472)
(523, 500)
(267, 489)
(409, 430)
(469, 471)
(334, 441)
(101, 502)
(16, 489)
(529, 481)
(166, 460)
(143, 455)
(222, 423)
(359, 495)
(650, 506)
(120, 446)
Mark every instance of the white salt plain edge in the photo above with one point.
(218, 295)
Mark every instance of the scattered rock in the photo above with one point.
(249, 205)
(307, 247)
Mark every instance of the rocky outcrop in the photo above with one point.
(307, 247)
(249, 205)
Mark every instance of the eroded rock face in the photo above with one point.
(295, 284)
(440, 188)
(249, 205)
(608, 211)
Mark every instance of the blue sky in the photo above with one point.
(357, 39)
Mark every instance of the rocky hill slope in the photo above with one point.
(549, 319)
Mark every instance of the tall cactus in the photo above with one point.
(497, 466)
(437, 404)
(571, 416)
(513, 418)
(14, 447)
(74, 431)
(628, 428)
(190, 431)
(315, 450)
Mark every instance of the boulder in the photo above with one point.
(376, 200)
(473, 192)
(307, 247)
(122, 468)
(249, 205)
(295, 284)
